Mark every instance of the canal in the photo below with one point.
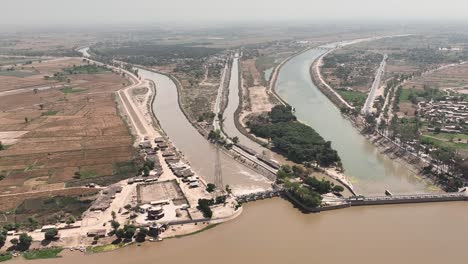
(196, 149)
(369, 171)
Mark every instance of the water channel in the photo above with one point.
(197, 150)
(229, 126)
(370, 171)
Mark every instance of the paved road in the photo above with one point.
(366, 109)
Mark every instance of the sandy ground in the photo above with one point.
(11, 137)
(259, 99)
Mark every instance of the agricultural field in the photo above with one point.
(59, 132)
(349, 69)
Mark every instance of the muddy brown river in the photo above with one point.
(272, 231)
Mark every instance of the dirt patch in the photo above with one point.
(259, 99)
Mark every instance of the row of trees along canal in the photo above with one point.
(299, 143)
(445, 164)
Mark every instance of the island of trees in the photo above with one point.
(296, 141)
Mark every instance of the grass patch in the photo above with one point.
(68, 90)
(104, 248)
(125, 168)
(49, 113)
(87, 174)
(404, 95)
(5, 257)
(448, 136)
(353, 97)
(442, 143)
(196, 232)
(18, 74)
(264, 62)
(42, 253)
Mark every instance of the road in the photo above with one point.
(219, 98)
(366, 109)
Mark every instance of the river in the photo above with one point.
(273, 231)
(370, 171)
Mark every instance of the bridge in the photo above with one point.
(259, 195)
(400, 199)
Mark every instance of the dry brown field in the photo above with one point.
(450, 77)
(76, 130)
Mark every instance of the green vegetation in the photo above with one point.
(51, 234)
(210, 187)
(49, 113)
(42, 253)
(303, 194)
(353, 97)
(104, 248)
(85, 69)
(5, 256)
(304, 188)
(149, 54)
(207, 116)
(18, 74)
(427, 94)
(69, 89)
(85, 174)
(23, 243)
(298, 142)
(50, 209)
(141, 235)
(2, 147)
(204, 206)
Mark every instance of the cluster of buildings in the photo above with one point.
(180, 169)
(450, 116)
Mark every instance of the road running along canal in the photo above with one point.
(370, 171)
(196, 149)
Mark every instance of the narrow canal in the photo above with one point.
(229, 126)
(197, 150)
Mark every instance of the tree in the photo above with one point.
(228, 189)
(119, 233)
(113, 215)
(141, 235)
(51, 234)
(33, 223)
(26, 120)
(337, 189)
(14, 241)
(115, 225)
(204, 207)
(210, 187)
(70, 220)
(1, 146)
(129, 231)
(235, 140)
(2, 239)
(24, 242)
(146, 171)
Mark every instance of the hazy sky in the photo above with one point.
(142, 11)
